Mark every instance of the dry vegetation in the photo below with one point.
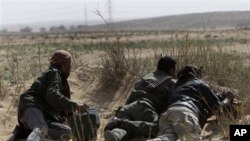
(107, 65)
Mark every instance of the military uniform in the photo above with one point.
(139, 117)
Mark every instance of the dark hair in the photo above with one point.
(189, 72)
(166, 63)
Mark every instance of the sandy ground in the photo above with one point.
(84, 90)
(84, 86)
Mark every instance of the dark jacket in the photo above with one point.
(156, 97)
(49, 93)
(197, 96)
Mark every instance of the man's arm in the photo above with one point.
(55, 98)
(213, 101)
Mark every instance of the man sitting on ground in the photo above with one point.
(44, 107)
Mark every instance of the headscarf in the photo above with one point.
(60, 57)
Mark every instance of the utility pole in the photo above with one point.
(1, 15)
(109, 11)
(85, 15)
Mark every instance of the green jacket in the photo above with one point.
(47, 94)
(158, 97)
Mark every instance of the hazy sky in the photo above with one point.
(41, 11)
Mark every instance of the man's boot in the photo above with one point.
(114, 122)
(115, 135)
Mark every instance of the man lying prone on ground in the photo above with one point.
(191, 102)
(139, 117)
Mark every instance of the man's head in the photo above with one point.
(190, 71)
(167, 65)
(62, 60)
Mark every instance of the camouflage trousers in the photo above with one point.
(138, 119)
(178, 123)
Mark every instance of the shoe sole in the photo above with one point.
(109, 136)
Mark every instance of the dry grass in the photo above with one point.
(125, 59)
(222, 68)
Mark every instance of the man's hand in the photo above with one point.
(81, 107)
(230, 96)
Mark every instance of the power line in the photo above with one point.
(121, 9)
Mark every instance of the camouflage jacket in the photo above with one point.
(158, 96)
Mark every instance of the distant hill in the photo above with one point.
(198, 21)
(213, 20)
